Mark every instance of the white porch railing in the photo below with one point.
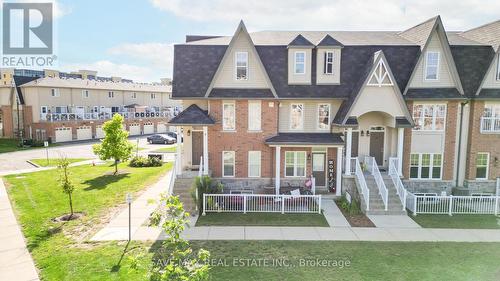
(53, 117)
(436, 204)
(253, 203)
(490, 124)
(375, 172)
(396, 180)
(362, 184)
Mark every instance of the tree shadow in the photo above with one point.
(117, 266)
(103, 181)
(43, 236)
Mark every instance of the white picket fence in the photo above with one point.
(253, 203)
(437, 204)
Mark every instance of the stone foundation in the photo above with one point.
(422, 186)
(475, 186)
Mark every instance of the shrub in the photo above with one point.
(140, 161)
(352, 208)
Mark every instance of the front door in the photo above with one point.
(197, 147)
(377, 146)
(318, 168)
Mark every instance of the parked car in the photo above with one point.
(174, 135)
(162, 139)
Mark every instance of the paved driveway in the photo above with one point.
(13, 161)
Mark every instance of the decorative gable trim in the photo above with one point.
(380, 75)
(241, 29)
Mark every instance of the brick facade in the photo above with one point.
(241, 140)
(478, 142)
(8, 126)
(450, 140)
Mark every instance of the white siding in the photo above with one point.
(310, 114)
(304, 79)
(490, 79)
(382, 99)
(321, 77)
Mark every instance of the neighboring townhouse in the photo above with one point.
(61, 107)
(274, 107)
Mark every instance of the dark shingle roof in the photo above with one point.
(472, 64)
(433, 93)
(402, 122)
(241, 93)
(488, 94)
(306, 138)
(329, 41)
(301, 41)
(19, 81)
(194, 68)
(193, 115)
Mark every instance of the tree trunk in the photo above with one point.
(116, 166)
(70, 205)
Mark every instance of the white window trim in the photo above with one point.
(487, 165)
(437, 66)
(290, 120)
(433, 117)
(234, 164)
(295, 164)
(260, 163)
(329, 116)
(295, 63)
(498, 69)
(224, 116)
(326, 63)
(260, 116)
(431, 167)
(85, 94)
(236, 66)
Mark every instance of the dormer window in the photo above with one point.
(54, 92)
(328, 68)
(431, 66)
(300, 63)
(241, 59)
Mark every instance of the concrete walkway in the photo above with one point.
(15, 260)
(38, 169)
(141, 210)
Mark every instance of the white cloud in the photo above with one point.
(157, 54)
(108, 68)
(334, 14)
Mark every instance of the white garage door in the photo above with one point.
(161, 128)
(99, 132)
(134, 129)
(84, 133)
(149, 128)
(63, 134)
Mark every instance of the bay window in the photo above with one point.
(295, 164)
(323, 116)
(429, 117)
(431, 66)
(228, 161)
(482, 163)
(426, 165)
(228, 116)
(297, 116)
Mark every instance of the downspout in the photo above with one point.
(462, 105)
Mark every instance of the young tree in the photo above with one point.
(115, 144)
(65, 182)
(176, 258)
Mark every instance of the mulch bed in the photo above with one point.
(356, 220)
(68, 217)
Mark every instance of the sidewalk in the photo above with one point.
(15, 260)
(35, 169)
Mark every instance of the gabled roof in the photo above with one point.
(193, 115)
(300, 41)
(489, 94)
(241, 93)
(329, 41)
(420, 33)
(306, 139)
(433, 94)
(19, 81)
(241, 29)
(487, 34)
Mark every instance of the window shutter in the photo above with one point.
(325, 62)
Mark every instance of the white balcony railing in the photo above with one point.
(54, 117)
(372, 165)
(490, 124)
(396, 180)
(362, 184)
(352, 166)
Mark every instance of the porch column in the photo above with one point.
(178, 160)
(278, 166)
(401, 134)
(205, 150)
(348, 152)
(338, 190)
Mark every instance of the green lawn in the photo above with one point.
(53, 161)
(59, 249)
(458, 221)
(170, 149)
(11, 145)
(262, 219)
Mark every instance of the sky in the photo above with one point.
(134, 38)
